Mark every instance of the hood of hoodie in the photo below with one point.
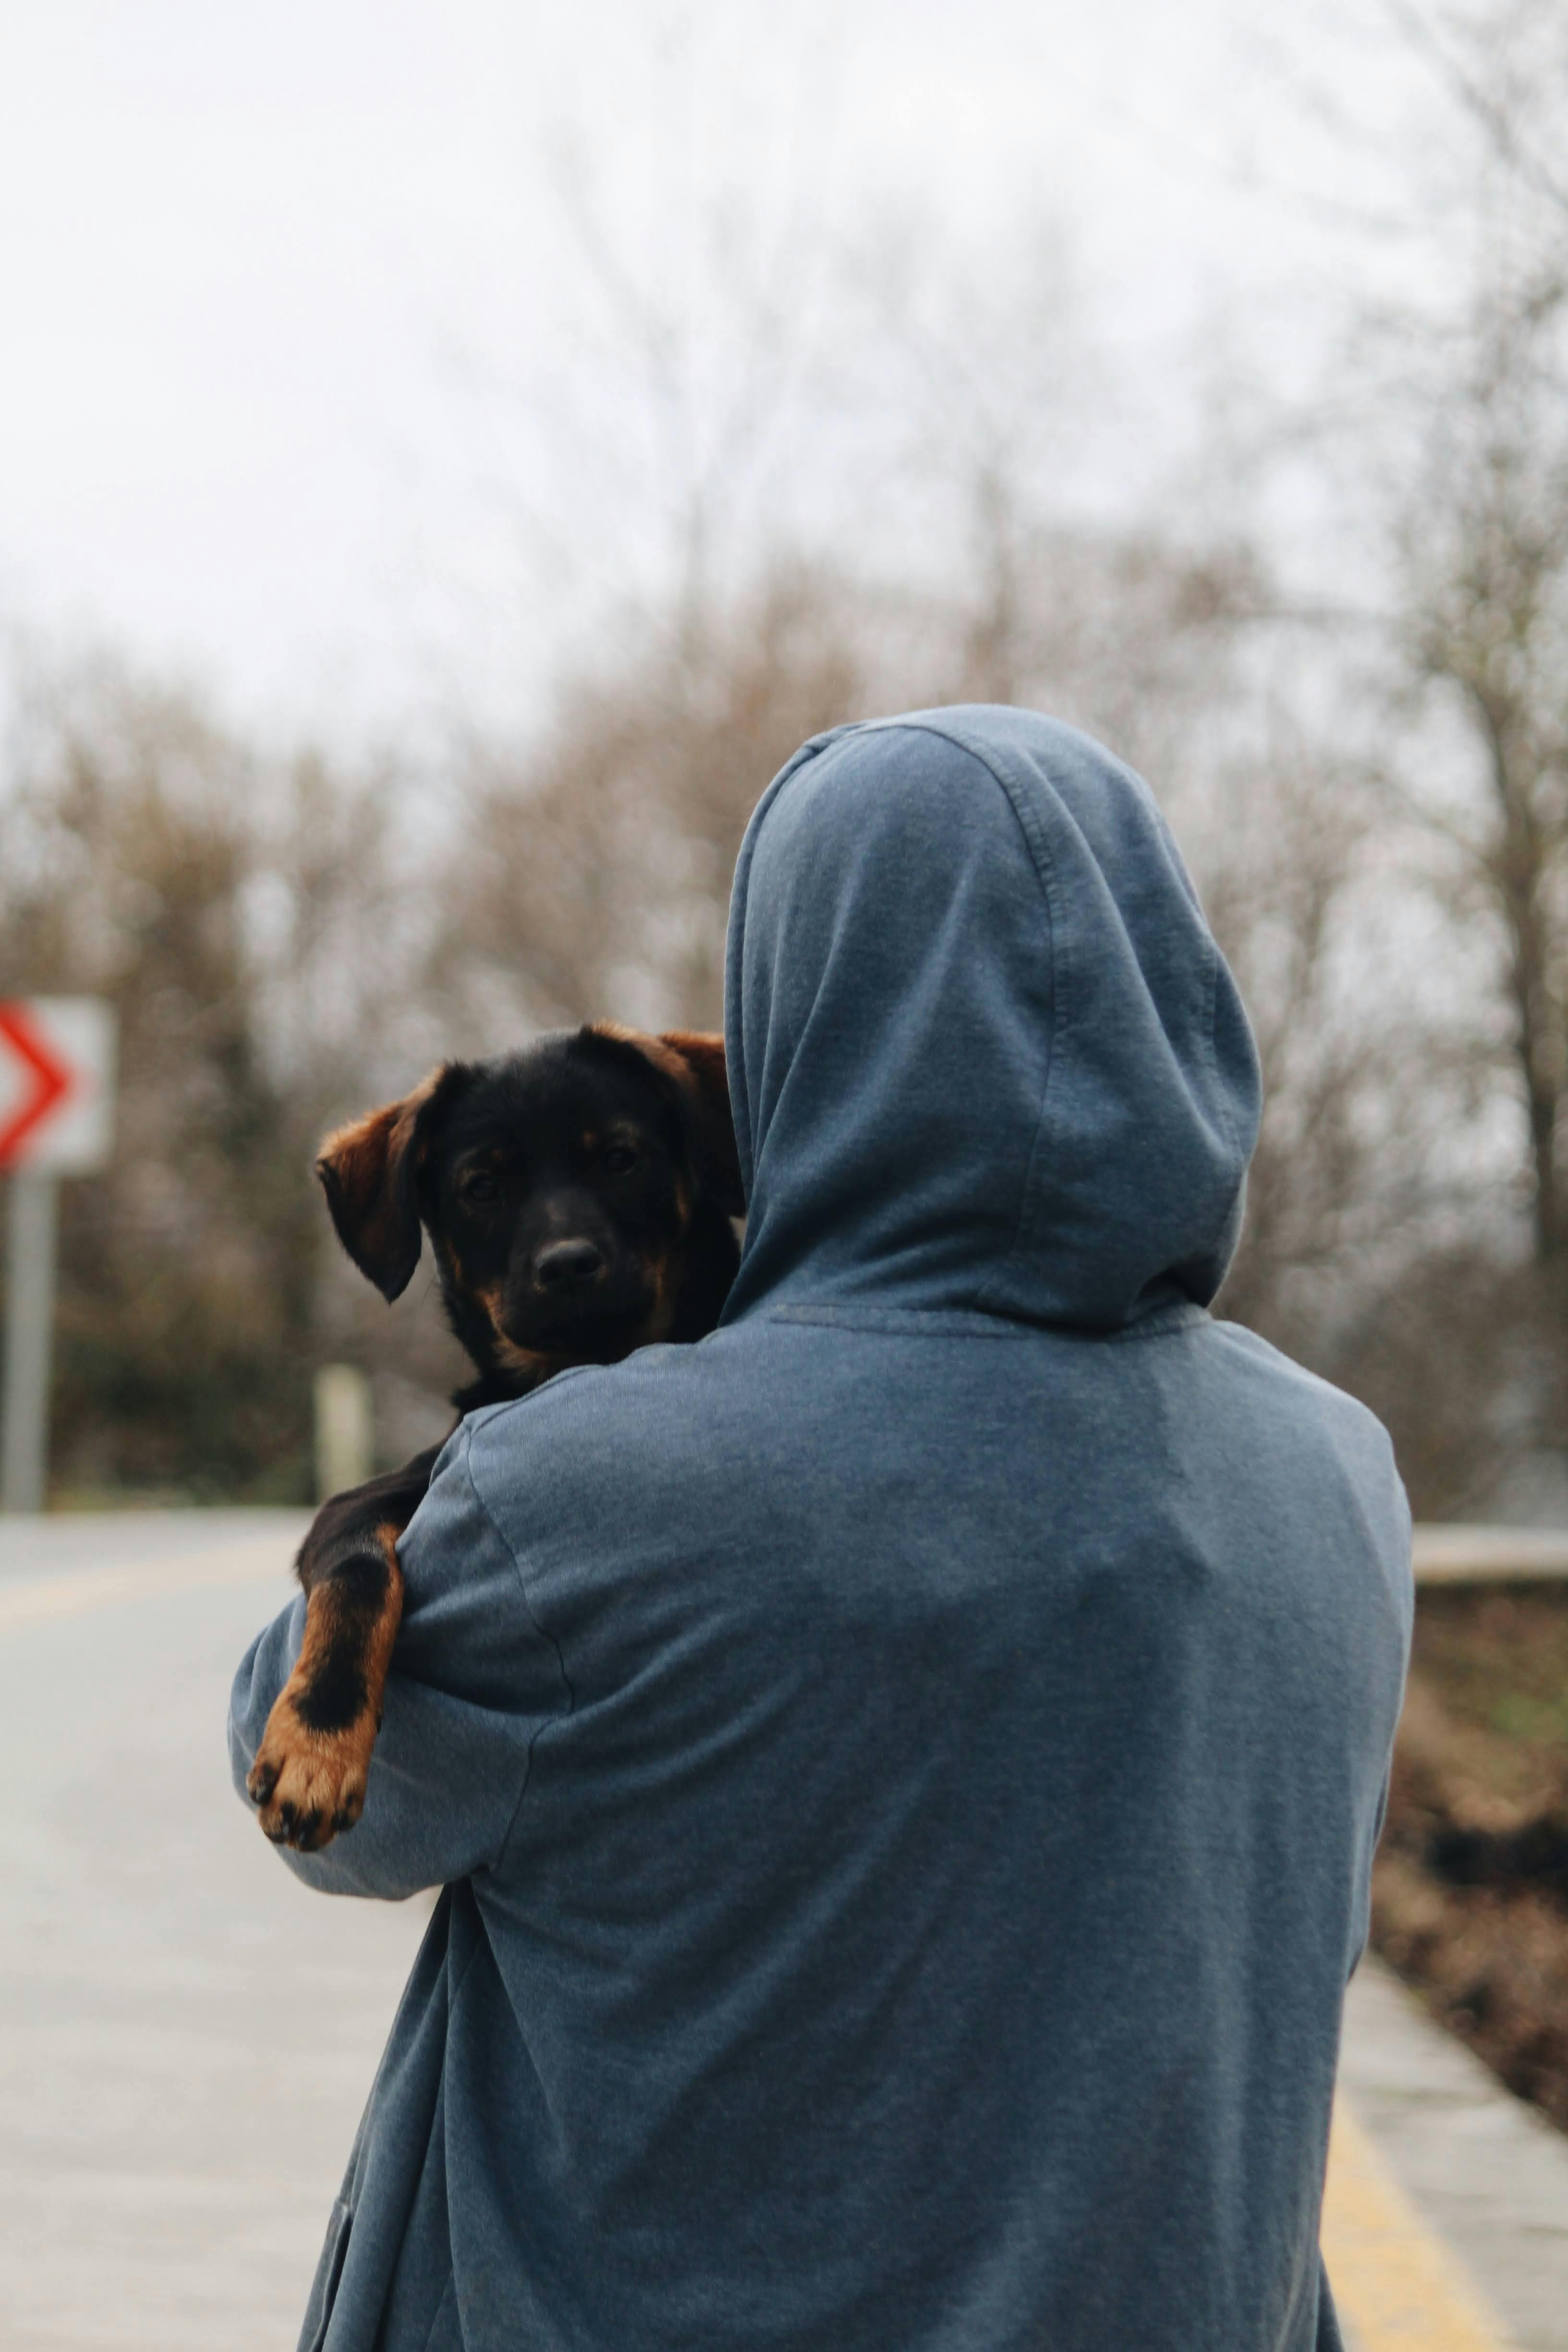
(984, 1052)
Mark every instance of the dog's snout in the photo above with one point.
(564, 1266)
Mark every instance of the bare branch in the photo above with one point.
(1498, 122)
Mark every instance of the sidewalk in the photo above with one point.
(186, 2036)
(1450, 2230)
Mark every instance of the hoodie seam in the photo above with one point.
(734, 948)
(988, 1298)
(934, 1323)
(908, 1322)
(1211, 1043)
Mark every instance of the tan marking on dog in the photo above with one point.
(537, 1362)
(532, 1360)
(306, 1784)
(358, 1153)
(660, 1321)
(541, 1364)
(661, 1056)
(702, 1051)
(361, 1165)
(693, 1059)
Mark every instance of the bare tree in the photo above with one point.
(1484, 550)
(1468, 474)
(224, 901)
(593, 874)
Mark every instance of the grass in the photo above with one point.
(1483, 1746)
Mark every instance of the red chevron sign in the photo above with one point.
(57, 1063)
(50, 1078)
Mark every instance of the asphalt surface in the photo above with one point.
(186, 2036)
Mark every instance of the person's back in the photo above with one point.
(915, 1755)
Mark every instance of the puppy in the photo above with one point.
(578, 1198)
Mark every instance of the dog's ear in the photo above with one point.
(692, 1060)
(369, 1172)
(710, 1121)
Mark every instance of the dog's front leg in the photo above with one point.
(308, 1776)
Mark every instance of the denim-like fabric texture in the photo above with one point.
(906, 1769)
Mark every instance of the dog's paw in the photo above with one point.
(307, 1785)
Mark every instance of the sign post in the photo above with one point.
(57, 1095)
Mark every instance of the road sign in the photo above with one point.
(57, 1101)
(57, 1084)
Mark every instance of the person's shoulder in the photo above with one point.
(585, 1393)
(1309, 1408)
(585, 1422)
(1258, 1364)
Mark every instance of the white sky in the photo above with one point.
(285, 294)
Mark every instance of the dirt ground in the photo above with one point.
(1470, 1886)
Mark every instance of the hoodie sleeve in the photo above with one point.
(473, 1682)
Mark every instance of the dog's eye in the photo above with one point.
(618, 1158)
(482, 1190)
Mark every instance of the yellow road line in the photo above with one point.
(73, 1592)
(1397, 2286)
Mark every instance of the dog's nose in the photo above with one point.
(564, 1264)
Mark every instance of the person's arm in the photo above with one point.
(473, 1682)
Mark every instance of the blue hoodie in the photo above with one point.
(905, 1770)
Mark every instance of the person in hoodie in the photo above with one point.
(904, 1771)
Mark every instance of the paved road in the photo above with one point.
(186, 2037)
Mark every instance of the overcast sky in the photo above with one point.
(286, 292)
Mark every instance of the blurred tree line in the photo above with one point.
(1371, 788)
(233, 911)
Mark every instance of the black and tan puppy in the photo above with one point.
(578, 1198)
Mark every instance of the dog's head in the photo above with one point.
(576, 1195)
